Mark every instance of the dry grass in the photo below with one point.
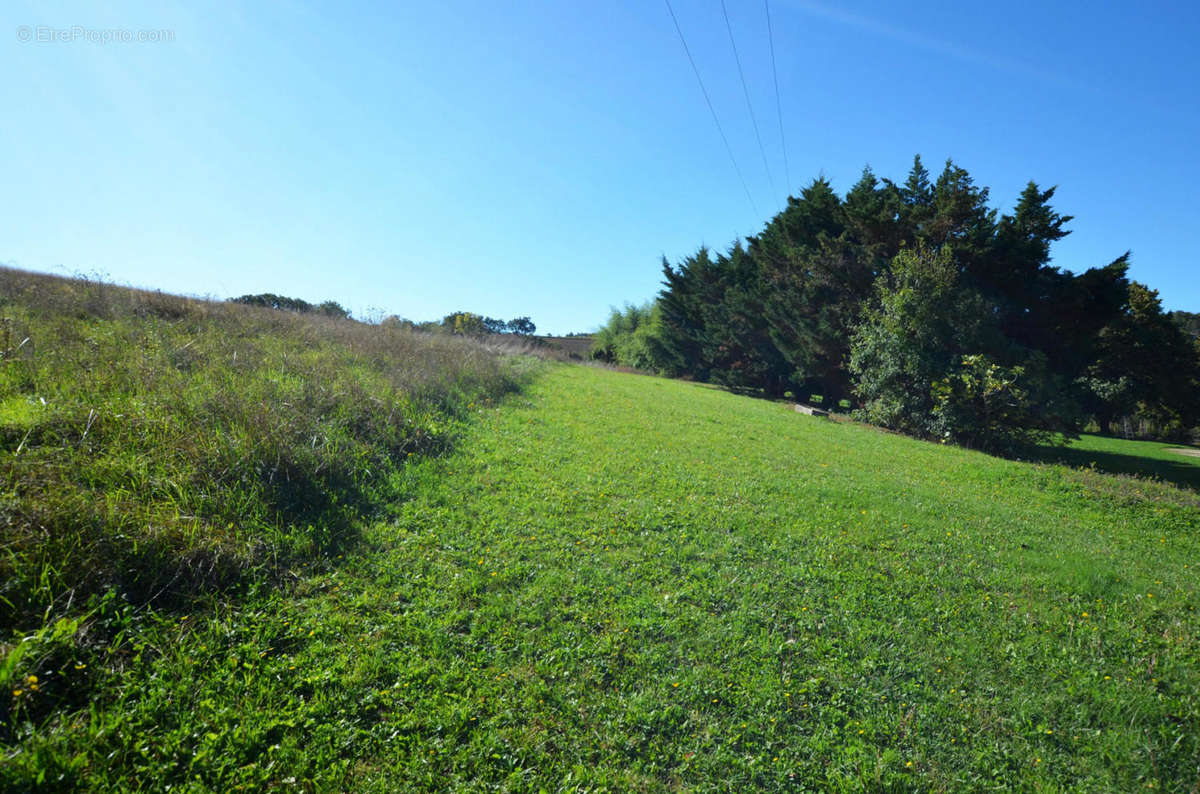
(156, 447)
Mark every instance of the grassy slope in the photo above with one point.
(642, 584)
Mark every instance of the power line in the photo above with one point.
(746, 93)
(707, 101)
(778, 105)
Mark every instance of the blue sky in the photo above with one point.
(539, 158)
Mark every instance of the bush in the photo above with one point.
(983, 405)
(632, 337)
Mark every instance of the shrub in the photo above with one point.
(987, 406)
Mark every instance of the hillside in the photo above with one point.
(617, 582)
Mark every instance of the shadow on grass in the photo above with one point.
(1182, 473)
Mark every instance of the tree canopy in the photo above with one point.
(926, 306)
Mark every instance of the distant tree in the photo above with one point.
(495, 326)
(396, 321)
(333, 309)
(1188, 321)
(283, 303)
(1146, 365)
(271, 301)
(522, 326)
(464, 323)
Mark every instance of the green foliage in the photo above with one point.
(982, 405)
(1188, 321)
(270, 300)
(633, 337)
(780, 313)
(522, 326)
(465, 324)
(333, 309)
(476, 325)
(1147, 367)
(921, 323)
(631, 584)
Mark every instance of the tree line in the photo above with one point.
(465, 323)
(938, 316)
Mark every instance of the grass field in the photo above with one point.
(1152, 459)
(624, 583)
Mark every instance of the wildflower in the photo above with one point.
(18, 692)
(31, 679)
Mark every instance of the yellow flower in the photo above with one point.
(33, 679)
(18, 692)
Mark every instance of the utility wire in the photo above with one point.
(746, 93)
(778, 105)
(707, 101)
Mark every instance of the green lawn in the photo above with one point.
(623, 583)
(1154, 459)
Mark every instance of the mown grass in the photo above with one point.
(624, 583)
(1146, 459)
(156, 449)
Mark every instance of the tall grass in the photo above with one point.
(154, 447)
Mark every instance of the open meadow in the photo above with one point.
(602, 582)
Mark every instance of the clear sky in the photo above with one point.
(539, 157)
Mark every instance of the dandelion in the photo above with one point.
(908, 764)
(18, 692)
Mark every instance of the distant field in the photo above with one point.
(625, 583)
(574, 346)
(1154, 459)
